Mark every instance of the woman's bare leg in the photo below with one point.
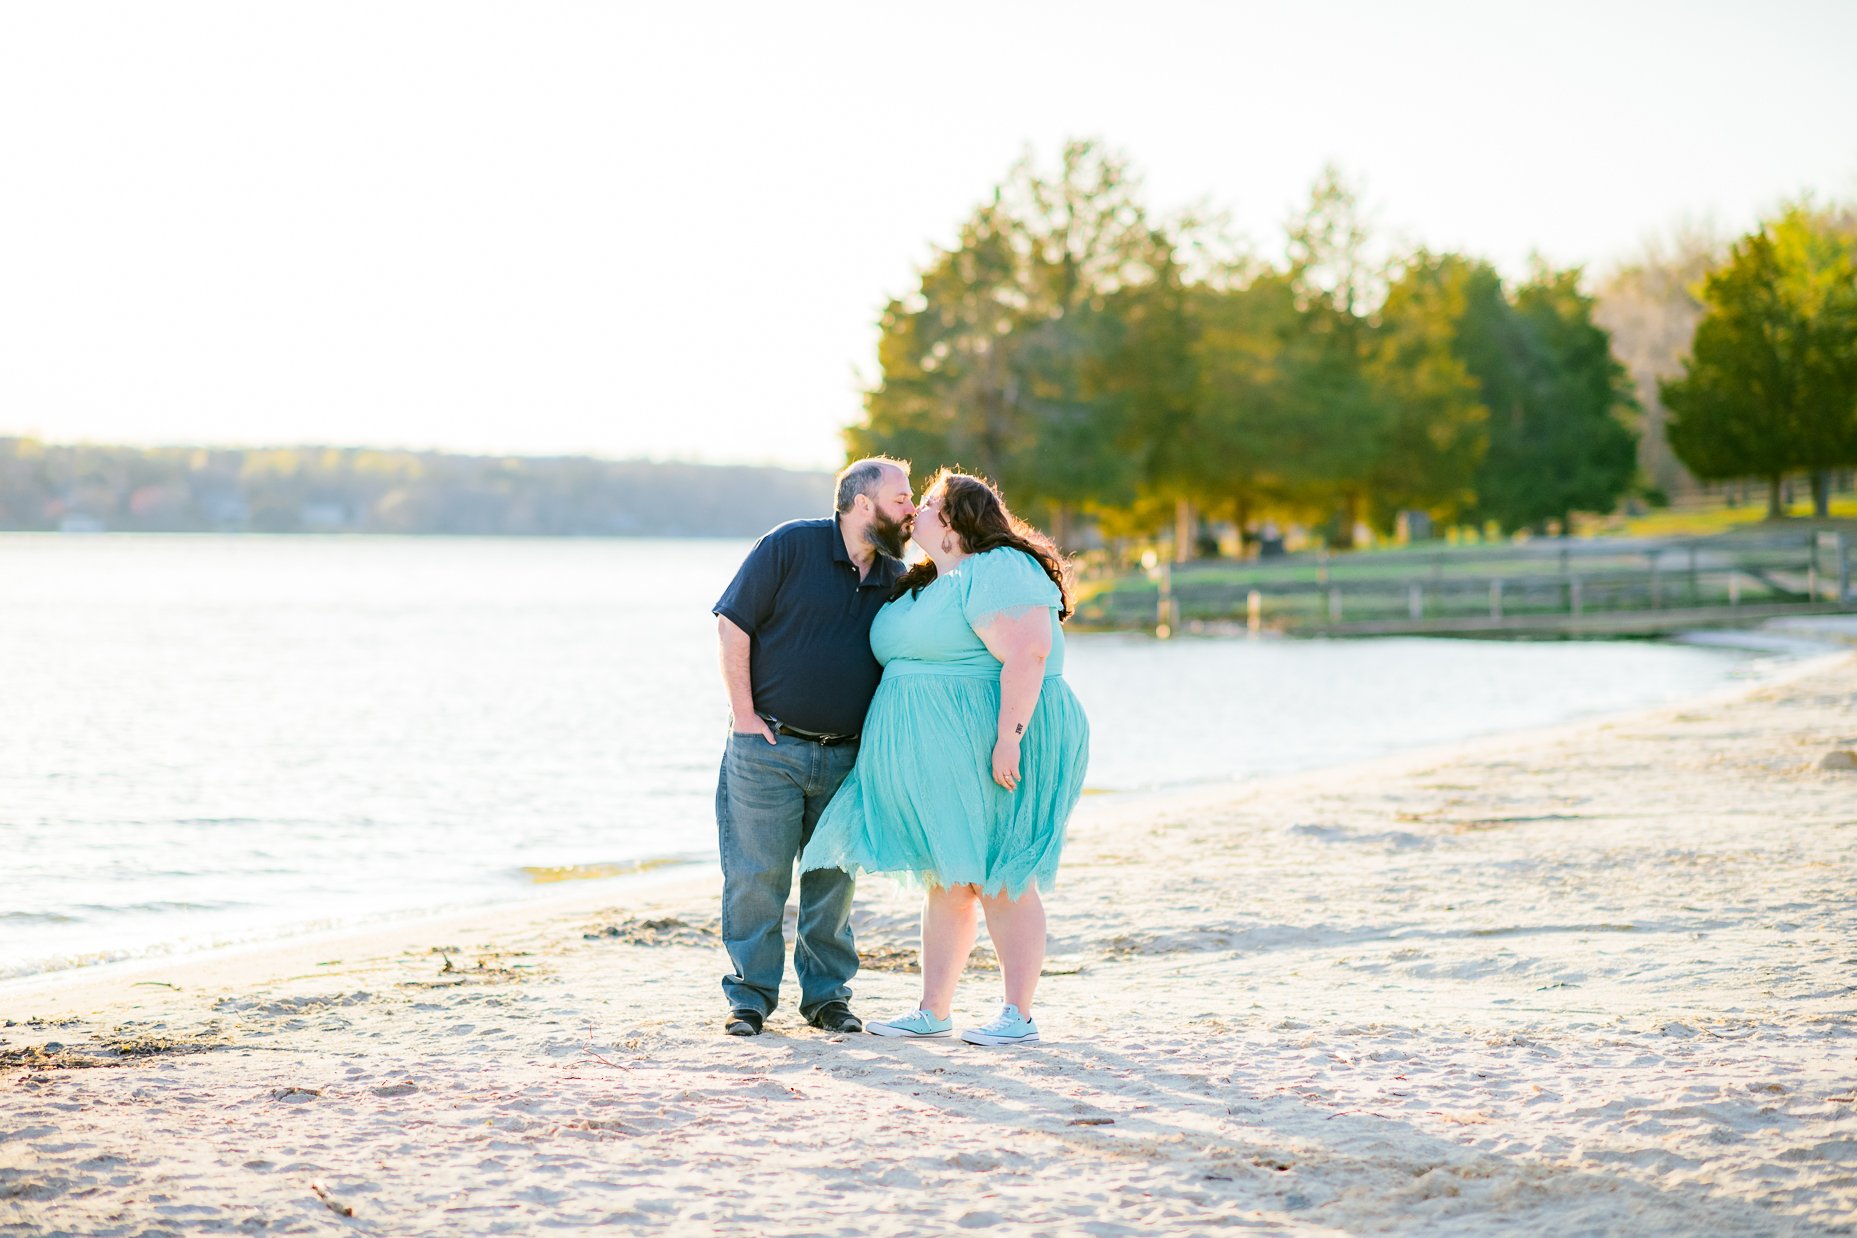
(949, 927)
(1017, 927)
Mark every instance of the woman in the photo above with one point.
(973, 751)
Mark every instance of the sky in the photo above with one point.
(668, 231)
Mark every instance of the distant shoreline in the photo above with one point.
(93, 488)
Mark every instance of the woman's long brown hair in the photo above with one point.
(973, 510)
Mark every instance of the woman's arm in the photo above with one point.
(1021, 642)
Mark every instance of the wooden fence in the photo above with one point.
(1546, 588)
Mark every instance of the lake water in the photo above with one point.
(206, 740)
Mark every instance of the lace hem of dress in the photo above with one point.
(1013, 886)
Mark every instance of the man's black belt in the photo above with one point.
(824, 739)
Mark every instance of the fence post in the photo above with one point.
(1695, 596)
(1334, 603)
(1415, 601)
(1164, 609)
(1657, 583)
(1844, 571)
(1573, 594)
(1254, 612)
(1495, 599)
(1734, 588)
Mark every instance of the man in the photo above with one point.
(795, 631)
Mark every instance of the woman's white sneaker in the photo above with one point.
(1008, 1028)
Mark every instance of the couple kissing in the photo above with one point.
(895, 718)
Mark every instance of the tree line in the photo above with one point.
(1097, 361)
(362, 490)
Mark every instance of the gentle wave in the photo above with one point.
(555, 874)
(156, 907)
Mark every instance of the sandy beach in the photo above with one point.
(1596, 980)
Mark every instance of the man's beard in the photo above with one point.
(887, 535)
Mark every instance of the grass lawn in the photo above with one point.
(1706, 522)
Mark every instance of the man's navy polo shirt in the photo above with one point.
(807, 616)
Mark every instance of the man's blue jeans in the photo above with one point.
(768, 798)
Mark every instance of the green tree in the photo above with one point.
(1243, 444)
(1150, 369)
(1329, 392)
(1771, 384)
(1559, 403)
(1432, 421)
(1016, 355)
(1386, 415)
(1324, 388)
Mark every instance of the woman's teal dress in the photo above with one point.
(921, 800)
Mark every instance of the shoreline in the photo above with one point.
(1591, 977)
(257, 960)
(1801, 655)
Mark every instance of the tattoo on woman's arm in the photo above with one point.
(1019, 730)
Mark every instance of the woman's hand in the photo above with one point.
(1021, 642)
(1006, 762)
